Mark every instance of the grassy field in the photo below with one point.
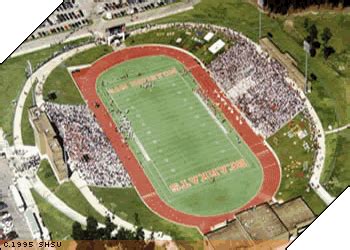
(123, 202)
(26, 128)
(181, 140)
(329, 90)
(126, 203)
(330, 94)
(67, 192)
(296, 162)
(71, 195)
(336, 175)
(60, 81)
(46, 175)
(62, 84)
(12, 78)
(59, 225)
(191, 40)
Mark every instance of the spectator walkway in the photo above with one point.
(40, 74)
(100, 25)
(336, 130)
(42, 190)
(51, 198)
(100, 208)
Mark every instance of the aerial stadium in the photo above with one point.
(178, 129)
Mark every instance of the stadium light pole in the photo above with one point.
(307, 48)
(260, 9)
(260, 23)
(306, 68)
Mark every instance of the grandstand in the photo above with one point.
(181, 141)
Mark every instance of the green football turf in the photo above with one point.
(180, 137)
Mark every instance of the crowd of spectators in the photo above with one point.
(125, 127)
(24, 162)
(89, 150)
(257, 84)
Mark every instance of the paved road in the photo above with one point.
(100, 25)
(336, 130)
(56, 202)
(40, 74)
(320, 156)
(6, 179)
(101, 209)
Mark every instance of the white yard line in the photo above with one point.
(143, 150)
(211, 114)
(146, 156)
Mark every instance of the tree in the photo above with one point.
(77, 231)
(140, 238)
(313, 76)
(91, 228)
(306, 23)
(313, 32)
(100, 238)
(312, 52)
(137, 219)
(316, 44)
(326, 35)
(327, 51)
(139, 234)
(108, 229)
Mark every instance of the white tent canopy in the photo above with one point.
(218, 45)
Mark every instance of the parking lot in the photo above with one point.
(19, 223)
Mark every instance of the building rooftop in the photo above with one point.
(232, 236)
(294, 213)
(41, 122)
(262, 223)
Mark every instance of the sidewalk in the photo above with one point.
(100, 25)
(51, 198)
(41, 74)
(91, 198)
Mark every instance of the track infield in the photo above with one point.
(173, 146)
(191, 158)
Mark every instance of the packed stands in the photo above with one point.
(88, 149)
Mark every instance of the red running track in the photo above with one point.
(86, 81)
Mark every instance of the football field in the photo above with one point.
(193, 157)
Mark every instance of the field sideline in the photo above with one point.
(86, 81)
(186, 152)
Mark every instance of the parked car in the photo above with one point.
(3, 205)
(5, 215)
(6, 227)
(11, 235)
(6, 220)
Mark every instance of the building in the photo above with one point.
(295, 215)
(32, 224)
(263, 227)
(286, 60)
(17, 198)
(47, 143)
